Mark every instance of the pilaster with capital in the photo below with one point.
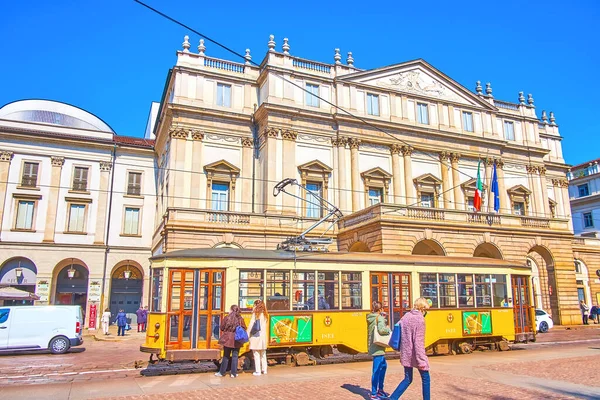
(57, 163)
(398, 174)
(543, 182)
(501, 186)
(288, 166)
(246, 173)
(489, 163)
(534, 182)
(355, 173)
(408, 180)
(5, 163)
(101, 215)
(444, 157)
(271, 134)
(342, 173)
(459, 200)
(196, 180)
(558, 197)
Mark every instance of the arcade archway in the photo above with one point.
(20, 273)
(428, 247)
(126, 288)
(71, 283)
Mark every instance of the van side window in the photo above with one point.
(4, 315)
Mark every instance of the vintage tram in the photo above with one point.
(319, 301)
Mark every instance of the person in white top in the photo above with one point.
(257, 334)
(106, 320)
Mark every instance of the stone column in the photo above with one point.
(197, 180)
(560, 209)
(538, 208)
(502, 187)
(566, 202)
(489, 163)
(398, 175)
(459, 201)
(57, 164)
(176, 160)
(356, 192)
(544, 188)
(408, 180)
(246, 174)
(342, 175)
(289, 168)
(271, 135)
(335, 172)
(101, 216)
(5, 161)
(446, 187)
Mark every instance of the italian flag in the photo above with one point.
(478, 189)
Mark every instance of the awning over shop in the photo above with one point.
(11, 293)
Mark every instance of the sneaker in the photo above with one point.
(382, 394)
(374, 397)
(256, 373)
(265, 372)
(234, 376)
(218, 374)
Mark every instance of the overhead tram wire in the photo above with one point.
(449, 165)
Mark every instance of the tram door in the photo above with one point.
(210, 307)
(394, 286)
(181, 302)
(521, 304)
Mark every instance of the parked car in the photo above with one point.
(543, 321)
(56, 328)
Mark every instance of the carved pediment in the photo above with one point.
(376, 173)
(519, 191)
(315, 166)
(427, 180)
(471, 185)
(222, 167)
(419, 78)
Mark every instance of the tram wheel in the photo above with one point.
(465, 348)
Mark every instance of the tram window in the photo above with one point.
(157, 287)
(447, 290)
(278, 290)
(351, 290)
(329, 290)
(174, 328)
(304, 291)
(429, 288)
(251, 284)
(175, 298)
(466, 294)
(499, 289)
(483, 291)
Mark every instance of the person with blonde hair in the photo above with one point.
(412, 349)
(257, 332)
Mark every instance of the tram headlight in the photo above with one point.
(156, 336)
(157, 325)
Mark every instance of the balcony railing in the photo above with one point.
(535, 222)
(426, 213)
(506, 105)
(478, 218)
(80, 186)
(134, 190)
(224, 65)
(29, 181)
(228, 218)
(311, 65)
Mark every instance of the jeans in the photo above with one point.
(260, 359)
(378, 376)
(121, 330)
(229, 354)
(408, 377)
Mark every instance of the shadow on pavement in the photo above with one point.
(364, 393)
(40, 351)
(585, 394)
(467, 394)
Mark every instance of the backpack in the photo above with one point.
(241, 336)
(396, 337)
(255, 328)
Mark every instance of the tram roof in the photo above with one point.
(356, 257)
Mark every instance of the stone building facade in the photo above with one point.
(77, 208)
(396, 148)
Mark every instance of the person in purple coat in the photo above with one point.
(412, 349)
(142, 316)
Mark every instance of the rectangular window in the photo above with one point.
(25, 215)
(278, 290)
(466, 290)
(470, 204)
(304, 291)
(423, 113)
(584, 190)
(374, 196)
(157, 288)
(312, 91)
(467, 121)
(588, 220)
(429, 288)
(372, 104)
(30, 174)
(447, 290)
(132, 221)
(499, 290)
(328, 290)
(220, 197)
(80, 179)
(251, 288)
(483, 291)
(223, 95)
(313, 204)
(76, 218)
(427, 200)
(351, 291)
(518, 208)
(509, 130)
(134, 183)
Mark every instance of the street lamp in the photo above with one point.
(19, 271)
(71, 271)
(127, 272)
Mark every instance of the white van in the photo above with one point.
(55, 328)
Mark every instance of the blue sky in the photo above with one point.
(111, 57)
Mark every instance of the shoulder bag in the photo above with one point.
(380, 340)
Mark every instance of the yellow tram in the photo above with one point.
(319, 301)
